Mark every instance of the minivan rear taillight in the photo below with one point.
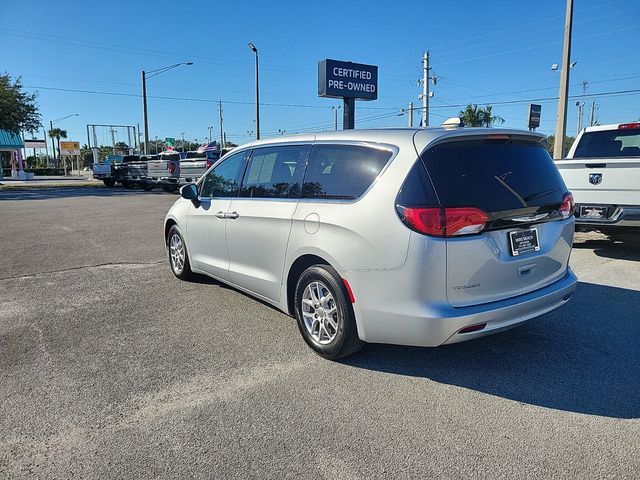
(567, 206)
(443, 222)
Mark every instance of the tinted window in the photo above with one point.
(275, 172)
(169, 156)
(342, 171)
(222, 181)
(130, 158)
(494, 175)
(417, 190)
(195, 155)
(609, 143)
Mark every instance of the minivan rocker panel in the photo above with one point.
(406, 236)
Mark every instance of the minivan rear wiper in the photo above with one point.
(515, 194)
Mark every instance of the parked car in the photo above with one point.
(603, 172)
(405, 236)
(196, 163)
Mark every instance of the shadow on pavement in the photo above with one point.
(70, 192)
(623, 246)
(582, 358)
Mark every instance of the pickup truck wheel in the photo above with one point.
(324, 313)
(148, 187)
(109, 182)
(178, 257)
(169, 188)
(128, 185)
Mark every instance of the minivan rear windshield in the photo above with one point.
(609, 143)
(494, 175)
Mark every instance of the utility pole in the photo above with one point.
(561, 116)
(335, 109)
(425, 89)
(144, 112)
(222, 142)
(255, 51)
(410, 114)
(593, 112)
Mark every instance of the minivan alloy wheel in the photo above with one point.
(177, 253)
(320, 313)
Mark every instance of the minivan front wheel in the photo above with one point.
(178, 257)
(324, 314)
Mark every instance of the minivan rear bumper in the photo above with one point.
(431, 325)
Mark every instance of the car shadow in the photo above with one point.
(70, 192)
(582, 358)
(624, 246)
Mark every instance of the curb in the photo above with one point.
(50, 185)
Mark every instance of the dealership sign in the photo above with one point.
(534, 115)
(338, 79)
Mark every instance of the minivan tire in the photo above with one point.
(174, 241)
(346, 341)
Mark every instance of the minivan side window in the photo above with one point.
(342, 171)
(223, 180)
(275, 172)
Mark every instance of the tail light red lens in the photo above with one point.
(441, 222)
(172, 167)
(464, 221)
(567, 206)
(209, 163)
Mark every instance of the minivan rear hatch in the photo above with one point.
(511, 180)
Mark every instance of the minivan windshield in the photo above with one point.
(609, 143)
(494, 175)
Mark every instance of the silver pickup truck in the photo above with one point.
(602, 170)
(170, 172)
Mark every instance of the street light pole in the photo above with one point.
(561, 116)
(145, 75)
(255, 50)
(51, 122)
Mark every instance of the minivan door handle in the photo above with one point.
(221, 215)
(232, 215)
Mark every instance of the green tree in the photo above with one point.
(18, 110)
(474, 116)
(568, 141)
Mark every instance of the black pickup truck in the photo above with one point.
(132, 171)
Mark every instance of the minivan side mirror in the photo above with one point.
(189, 191)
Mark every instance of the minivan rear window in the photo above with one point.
(494, 175)
(342, 171)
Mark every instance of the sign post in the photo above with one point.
(349, 81)
(534, 116)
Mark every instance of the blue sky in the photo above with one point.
(482, 52)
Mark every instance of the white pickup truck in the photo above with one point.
(602, 170)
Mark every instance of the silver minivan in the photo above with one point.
(406, 236)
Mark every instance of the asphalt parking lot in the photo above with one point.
(112, 368)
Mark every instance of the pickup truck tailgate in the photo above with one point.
(602, 180)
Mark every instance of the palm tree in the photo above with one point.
(57, 133)
(474, 116)
(489, 119)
